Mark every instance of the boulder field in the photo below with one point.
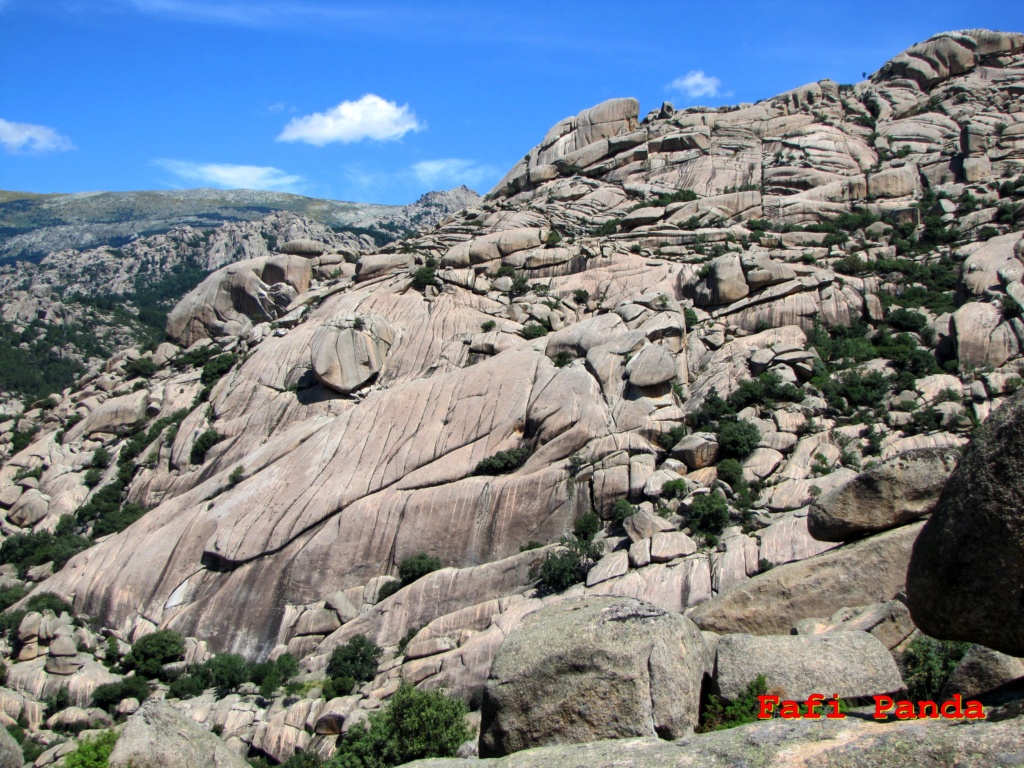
(747, 346)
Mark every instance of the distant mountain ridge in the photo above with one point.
(33, 225)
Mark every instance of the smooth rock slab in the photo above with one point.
(851, 664)
(592, 668)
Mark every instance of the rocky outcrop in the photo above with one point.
(582, 670)
(895, 492)
(771, 603)
(974, 540)
(848, 664)
(982, 670)
(159, 737)
(230, 301)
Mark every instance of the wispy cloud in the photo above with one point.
(371, 117)
(226, 176)
(18, 138)
(449, 172)
(696, 84)
(253, 14)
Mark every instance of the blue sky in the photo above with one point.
(382, 101)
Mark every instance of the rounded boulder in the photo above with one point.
(965, 580)
(593, 668)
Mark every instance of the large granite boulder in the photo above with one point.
(158, 736)
(867, 571)
(231, 300)
(592, 668)
(965, 580)
(851, 664)
(982, 670)
(892, 493)
(348, 356)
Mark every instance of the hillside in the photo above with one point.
(32, 225)
(69, 307)
(718, 361)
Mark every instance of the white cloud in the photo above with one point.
(452, 171)
(228, 176)
(695, 84)
(371, 117)
(26, 137)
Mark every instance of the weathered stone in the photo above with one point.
(852, 664)
(157, 736)
(892, 493)
(589, 668)
(670, 546)
(652, 366)
(869, 571)
(982, 670)
(303, 247)
(644, 524)
(974, 540)
(697, 450)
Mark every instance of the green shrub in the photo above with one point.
(503, 462)
(92, 478)
(675, 489)
(567, 565)
(765, 390)
(554, 238)
(488, 325)
(520, 286)
(719, 714)
(581, 295)
(9, 623)
(356, 660)
(47, 601)
(236, 475)
(214, 369)
(387, 589)
(709, 514)
(92, 752)
(30, 750)
(586, 527)
(151, 652)
(57, 701)
(927, 664)
(413, 725)
(534, 331)
(108, 696)
(608, 228)
(425, 275)
(690, 317)
(622, 509)
(117, 520)
(668, 440)
(736, 439)
(906, 320)
(730, 471)
(417, 566)
(204, 443)
(26, 550)
(10, 595)
(144, 367)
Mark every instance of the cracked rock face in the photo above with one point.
(593, 668)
